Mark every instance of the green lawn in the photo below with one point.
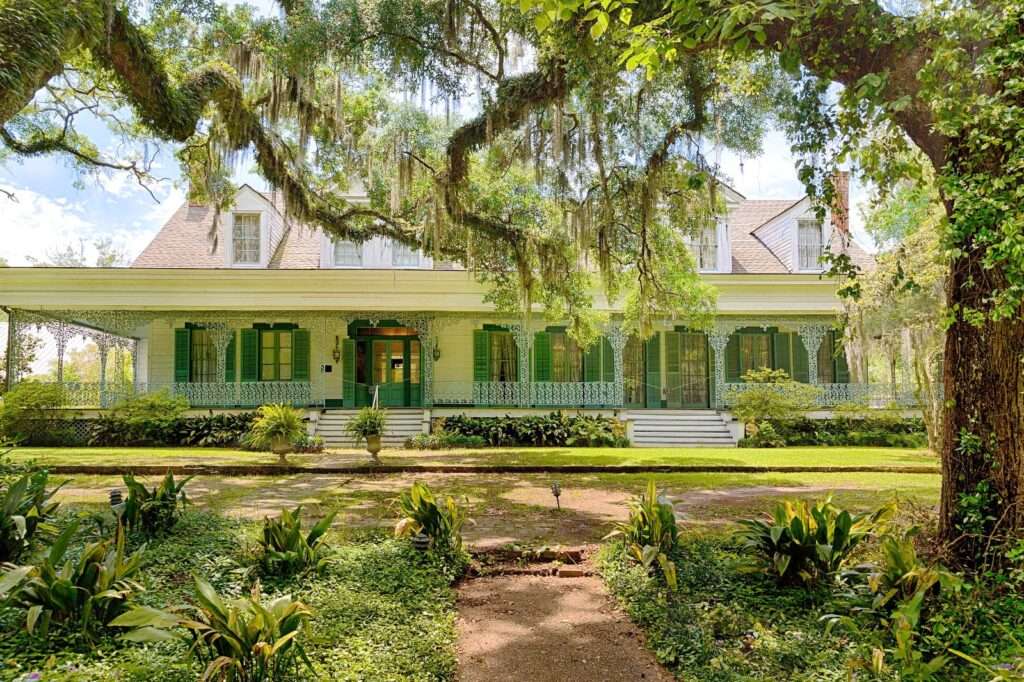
(803, 456)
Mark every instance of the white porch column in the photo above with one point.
(718, 339)
(523, 334)
(617, 340)
(221, 335)
(812, 336)
(103, 346)
(12, 350)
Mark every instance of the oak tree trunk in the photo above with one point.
(983, 438)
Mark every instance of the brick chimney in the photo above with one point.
(841, 204)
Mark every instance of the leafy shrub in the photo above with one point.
(90, 590)
(309, 444)
(275, 424)
(369, 421)
(239, 640)
(764, 437)
(801, 541)
(148, 418)
(769, 394)
(443, 440)
(441, 521)
(25, 509)
(651, 533)
(30, 414)
(859, 430)
(207, 431)
(286, 551)
(153, 511)
(553, 430)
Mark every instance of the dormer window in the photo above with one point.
(404, 257)
(245, 238)
(348, 254)
(705, 249)
(809, 244)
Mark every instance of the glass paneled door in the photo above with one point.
(390, 365)
(693, 369)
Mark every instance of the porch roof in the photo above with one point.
(453, 291)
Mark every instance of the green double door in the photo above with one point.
(687, 377)
(392, 367)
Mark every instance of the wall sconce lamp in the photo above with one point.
(336, 353)
(437, 352)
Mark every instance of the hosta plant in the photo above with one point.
(651, 535)
(440, 520)
(89, 590)
(237, 640)
(804, 541)
(25, 508)
(153, 511)
(286, 550)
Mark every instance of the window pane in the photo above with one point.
(414, 362)
(504, 358)
(284, 339)
(203, 363)
(348, 254)
(403, 256)
(810, 244)
(826, 355)
(284, 372)
(707, 249)
(246, 238)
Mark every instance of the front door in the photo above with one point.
(392, 367)
(693, 370)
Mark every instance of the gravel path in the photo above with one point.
(548, 629)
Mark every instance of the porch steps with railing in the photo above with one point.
(402, 424)
(684, 428)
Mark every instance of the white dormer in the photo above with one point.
(810, 243)
(378, 253)
(797, 237)
(250, 231)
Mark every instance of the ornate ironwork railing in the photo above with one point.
(832, 395)
(530, 394)
(85, 395)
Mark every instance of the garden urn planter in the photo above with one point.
(373, 445)
(281, 446)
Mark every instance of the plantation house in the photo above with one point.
(277, 312)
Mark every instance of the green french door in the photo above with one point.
(392, 366)
(688, 370)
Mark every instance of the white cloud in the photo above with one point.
(33, 224)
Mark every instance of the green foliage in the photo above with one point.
(239, 640)
(30, 414)
(153, 511)
(25, 509)
(207, 431)
(804, 541)
(444, 440)
(769, 394)
(274, 424)
(869, 431)
(147, 416)
(369, 421)
(651, 535)
(286, 550)
(87, 591)
(555, 429)
(309, 444)
(440, 520)
(764, 437)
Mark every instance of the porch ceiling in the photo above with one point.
(349, 290)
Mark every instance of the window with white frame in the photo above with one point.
(809, 244)
(404, 257)
(705, 249)
(348, 254)
(246, 238)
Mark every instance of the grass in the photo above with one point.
(512, 457)
(382, 611)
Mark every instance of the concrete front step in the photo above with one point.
(687, 428)
(402, 424)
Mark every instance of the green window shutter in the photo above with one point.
(608, 360)
(250, 355)
(842, 373)
(654, 371)
(673, 378)
(541, 357)
(782, 349)
(732, 359)
(481, 355)
(592, 362)
(300, 355)
(229, 361)
(182, 353)
(348, 372)
(801, 369)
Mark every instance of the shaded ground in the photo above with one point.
(519, 508)
(547, 629)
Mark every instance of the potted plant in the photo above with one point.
(368, 425)
(276, 428)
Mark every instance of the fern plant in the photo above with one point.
(276, 428)
(238, 640)
(651, 535)
(286, 551)
(25, 508)
(89, 590)
(440, 520)
(804, 541)
(153, 511)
